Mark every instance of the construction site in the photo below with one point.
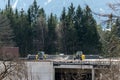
(65, 67)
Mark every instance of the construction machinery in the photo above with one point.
(39, 56)
(79, 55)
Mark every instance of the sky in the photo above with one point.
(56, 6)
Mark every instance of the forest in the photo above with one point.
(75, 30)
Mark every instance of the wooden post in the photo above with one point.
(93, 74)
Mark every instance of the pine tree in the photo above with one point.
(80, 30)
(23, 34)
(33, 13)
(6, 33)
(67, 30)
(70, 32)
(91, 37)
(51, 35)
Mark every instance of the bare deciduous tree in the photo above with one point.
(111, 73)
(13, 70)
(40, 31)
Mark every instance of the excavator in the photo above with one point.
(39, 56)
(79, 55)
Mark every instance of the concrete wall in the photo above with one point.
(40, 71)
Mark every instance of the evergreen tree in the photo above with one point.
(80, 30)
(8, 11)
(33, 13)
(67, 31)
(76, 30)
(42, 13)
(6, 33)
(51, 35)
(70, 30)
(23, 34)
(91, 43)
